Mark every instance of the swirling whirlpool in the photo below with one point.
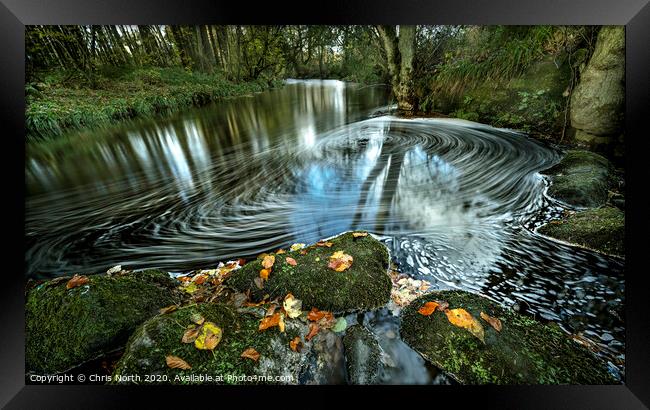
(456, 202)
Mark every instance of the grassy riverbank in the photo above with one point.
(63, 102)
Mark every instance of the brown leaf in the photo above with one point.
(209, 336)
(270, 321)
(250, 353)
(315, 315)
(291, 261)
(271, 309)
(176, 362)
(359, 234)
(428, 308)
(268, 261)
(313, 331)
(462, 318)
(303, 251)
(77, 280)
(340, 261)
(199, 279)
(168, 309)
(296, 344)
(191, 334)
(323, 243)
(493, 321)
(264, 274)
(259, 282)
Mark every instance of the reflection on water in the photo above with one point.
(456, 202)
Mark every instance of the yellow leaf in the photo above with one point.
(297, 246)
(264, 274)
(428, 308)
(209, 336)
(359, 234)
(191, 288)
(462, 318)
(280, 252)
(493, 321)
(340, 261)
(250, 353)
(176, 362)
(292, 306)
(268, 261)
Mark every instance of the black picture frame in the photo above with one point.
(634, 14)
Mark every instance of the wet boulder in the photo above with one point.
(67, 327)
(319, 360)
(524, 351)
(363, 355)
(600, 229)
(364, 285)
(581, 178)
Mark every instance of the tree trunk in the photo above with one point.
(400, 52)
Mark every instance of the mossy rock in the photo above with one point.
(523, 352)
(581, 178)
(365, 285)
(362, 355)
(67, 327)
(161, 336)
(601, 229)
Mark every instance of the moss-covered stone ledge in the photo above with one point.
(362, 355)
(523, 352)
(365, 285)
(581, 178)
(67, 327)
(162, 336)
(600, 229)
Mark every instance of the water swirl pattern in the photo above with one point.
(456, 202)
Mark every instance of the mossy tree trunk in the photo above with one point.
(399, 45)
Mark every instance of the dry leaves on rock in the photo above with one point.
(77, 280)
(462, 318)
(313, 331)
(250, 353)
(176, 362)
(268, 261)
(209, 336)
(292, 306)
(296, 344)
(270, 321)
(428, 308)
(291, 261)
(340, 261)
(493, 321)
(264, 274)
(297, 246)
(359, 234)
(324, 243)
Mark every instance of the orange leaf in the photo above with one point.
(428, 308)
(303, 251)
(359, 234)
(280, 252)
(270, 321)
(77, 280)
(323, 243)
(296, 344)
(176, 362)
(199, 279)
(291, 261)
(315, 315)
(268, 261)
(340, 261)
(313, 331)
(462, 318)
(250, 353)
(184, 278)
(493, 321)
(264, 274)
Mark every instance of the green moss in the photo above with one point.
(161, 336)
(524, 352)
(365, 285)
(66, 327)
(601, 229)
(581, 178)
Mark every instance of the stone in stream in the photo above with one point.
(320, 361)
(600, 229)
(582, 178)
(525, 351)
(364, 285)
(67, 327)
(363, 355)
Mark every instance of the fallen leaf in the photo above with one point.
(428, 308)
(250, 353)
(443, 305)
(292, 306)
(199, 279)
(493, 321)
(340, 261)
(280, 252)
(341, 325)
(77, 280)
(359, 234)
(462, 318)
(191, 334)
(176, 362)
(281, 323)
(191, 288)
(297, 246)
(197, 318)
(271, 309)
(259, 282)
(296, 344)
(168, 309)
(270, 321)
(184, 278)
(114, 269)
(303, 252)
(315, 315)
(209, 336)
(268, 261)
(313, 331)
(323, 243)
(291, 261)
(264, 274)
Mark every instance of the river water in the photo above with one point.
(456, 202)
